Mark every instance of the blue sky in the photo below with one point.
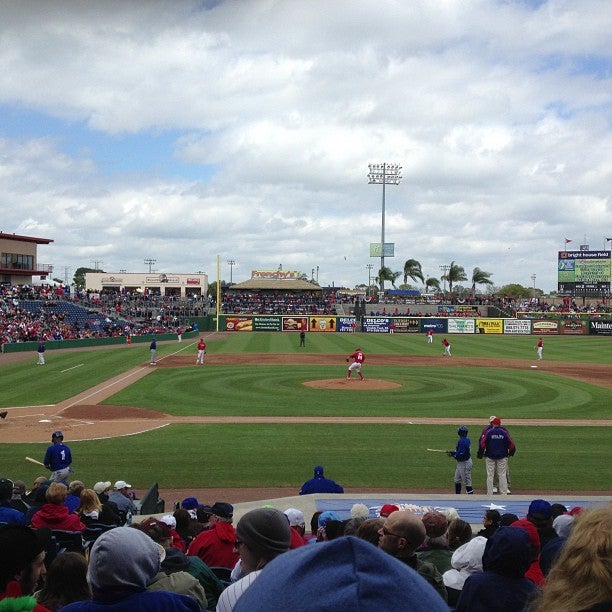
(185, 130)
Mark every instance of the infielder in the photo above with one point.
(447, 348)
(58, 458)
(430, 336)
(358, 358)
(539, 348)
(153, 349)
(201, 352)
(463, 471)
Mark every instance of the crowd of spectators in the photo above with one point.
(278, 302)
(196, 559)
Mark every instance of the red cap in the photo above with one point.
(387, 509)
(496, 421)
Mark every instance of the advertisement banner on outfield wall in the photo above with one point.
(517, 327)
(376, 325)
(544, 327)
(405, 325)
(490, 326)
(572, 327)
(322, 324)
(295, 323)
(346, 324)
(239, 324)
(438, 326)
(267, 323)
(600, 327)
(461, 326)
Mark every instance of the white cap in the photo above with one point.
(100, 487)
(295, 516)
(169, 520)
(121, 484)
(491, 418)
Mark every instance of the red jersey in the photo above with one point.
(358, 356)
(540, 343)
(201, 345)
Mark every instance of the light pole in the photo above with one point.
(369, 267)
(231, 263)
(150, 263)
(533, 278)
(444, 269)
(384, 174)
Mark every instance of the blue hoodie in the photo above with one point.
(501, 587)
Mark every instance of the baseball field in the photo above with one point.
(262, 412)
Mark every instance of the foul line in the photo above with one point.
(72, 368)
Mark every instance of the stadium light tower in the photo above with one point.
(384, 174)
(533, 278)
(231, 263)
(369, 267)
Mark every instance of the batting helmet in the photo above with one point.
(462, 431)
(57, 434)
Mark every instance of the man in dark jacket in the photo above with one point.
(502, 584)
(496, 446)
(320, 484)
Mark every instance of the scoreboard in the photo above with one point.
(584, 273)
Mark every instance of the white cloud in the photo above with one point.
(498, 112)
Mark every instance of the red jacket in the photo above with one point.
(21, 601)
(215, 546)
(54, 516)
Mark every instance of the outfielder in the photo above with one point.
(58, 458)
(201, 352)
(463, 471)
(447, 348)
(358, 358)
(539, 348)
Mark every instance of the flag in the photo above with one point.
(610, 239)
(567, 240)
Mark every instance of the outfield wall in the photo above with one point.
(416, 325)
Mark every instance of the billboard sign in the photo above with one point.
(515, 327)
(461, 326)
(406, 325)
(437, 326)
(572, 327)
(322, 324)
(545, 327)
(600, 327)
(376, 325)
(586, 273)
(346, 324)
(490, 326)
(382, 249)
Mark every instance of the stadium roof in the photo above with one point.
(259, 284)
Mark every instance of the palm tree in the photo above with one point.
(385, 274)
(455, 274)
(412, 269)
(432, 282)
(480, 277)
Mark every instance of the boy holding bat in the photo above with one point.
(463, 471)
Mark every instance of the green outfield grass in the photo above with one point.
(182, 456)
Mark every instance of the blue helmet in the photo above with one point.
(462, 431)
(57, 434)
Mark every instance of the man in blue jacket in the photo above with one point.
(496, 446)
(463, 471)
(320, 484)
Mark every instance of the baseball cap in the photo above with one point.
(121, 484)
(496, 421)
(57, 434)
(295, 517)
(541, 507)
(6, 487)
(190, 503)
(491, 418)
(222, 510)
(387, 509)
(100, 487)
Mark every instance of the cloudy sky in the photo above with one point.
(183, 130)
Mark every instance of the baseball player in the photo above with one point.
(447, 348)
(539, 348)
(463, 471)
(58, 458)
(496, 446)
(153, 349)
(430, 336)
(358, 358)
(201, 352)
(41, 353)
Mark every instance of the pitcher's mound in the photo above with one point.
(354, 384)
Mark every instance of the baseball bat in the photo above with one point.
(436, 450)
(35, 461)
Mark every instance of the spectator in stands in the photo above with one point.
(345, 574)
(466, 560)
(387, 509)
(540, 514)
(38, 500)
(122, 562)
(534, 572)
(65, 582)
(325, 518)
(552, 549)
(8, 514)
(581, 579)
(176, 540)
(320, 484)
(73, 499)
(502, 584)
(506, 519)
(557, 510)
(54, 514)
(109, 515)
(297, 522)
(215, 546)
(261, 535)
(38, 481)
(177, 581)
(435, 548)
(121, 498)
(401, 536)
(459, 533)
(369, 530)
(490, 523)
(187, 527)
(17, 501)
(22, 565)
